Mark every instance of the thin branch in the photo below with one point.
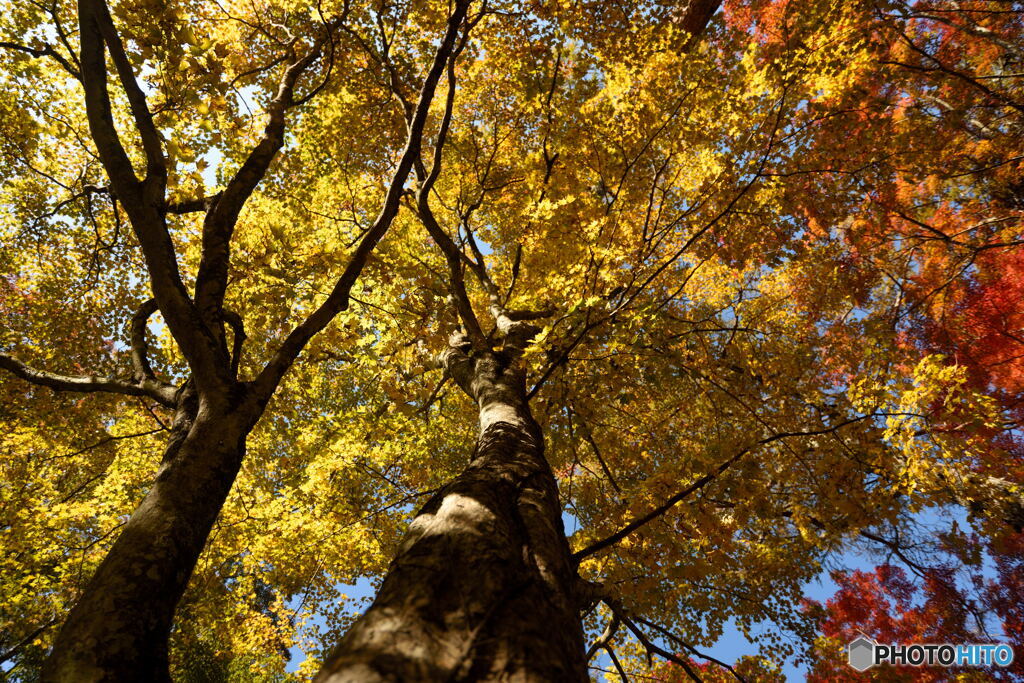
(11, 652)
(682, 643)
(104, 441)
(45, 51)
(588, 436)
(699, 484)
(434, 395)
(940, 66)
(615, 661)
(894, 547)
(649, 647)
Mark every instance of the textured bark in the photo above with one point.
(482, 587)
(695, 18)
(118, 630)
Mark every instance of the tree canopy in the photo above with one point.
(760, 265)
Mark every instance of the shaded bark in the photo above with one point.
(993, 497)
(695, 18)
(482, 587)
(118, 630)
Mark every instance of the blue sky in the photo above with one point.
(733, 644)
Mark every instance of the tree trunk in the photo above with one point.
(119, 628)
(482, 587)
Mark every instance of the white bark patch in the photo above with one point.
(492, 413)
(457, 513)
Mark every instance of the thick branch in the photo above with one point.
(995, 497)
(337, 301)
(141, 369)
(452, 253)
(192, 205)
(85, 384)
(219, 225)
(238, 328)
(97, 100)
(605, 638)
(143, 203)
(456, 282)
(156, 166)
(477, 262)
(456, 362)
(695, 20)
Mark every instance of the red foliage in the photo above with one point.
(886, 606)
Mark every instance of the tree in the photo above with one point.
(882, 603)
(956, 214)
(599, 230)
(119, 626)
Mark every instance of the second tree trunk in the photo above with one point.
(482, 586)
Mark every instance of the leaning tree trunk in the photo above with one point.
(482, 585)
(118, 630)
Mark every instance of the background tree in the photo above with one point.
(120, 623)
(889, 606)
(945, 206)
(667, 317)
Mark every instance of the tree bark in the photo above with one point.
(482, 587)
(118, 630)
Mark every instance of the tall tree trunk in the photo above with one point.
(482, 587)
(119, 628)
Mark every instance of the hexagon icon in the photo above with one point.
(862, 654)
